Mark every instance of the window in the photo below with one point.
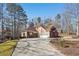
(23, 34)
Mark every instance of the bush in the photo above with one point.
(62, 43)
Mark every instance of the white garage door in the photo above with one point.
(44, 35)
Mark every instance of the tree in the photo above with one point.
(22, 21)
(73, 11)
(19, 18)
(67, 24)
(11, 8)
(39, 19)
(48, 22)
(2, 21)
(58, 22)
(31, 24)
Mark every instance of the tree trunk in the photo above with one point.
(77, 29)
(2, 26)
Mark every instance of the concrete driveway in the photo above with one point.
(35, 47)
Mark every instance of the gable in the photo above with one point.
(41, 29)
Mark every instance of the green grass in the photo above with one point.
(7, 47)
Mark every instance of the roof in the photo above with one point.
(32, 29)
(41, 26)
(41, 29)
(47, 28)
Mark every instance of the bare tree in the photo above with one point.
(2, 20)
(67, 24)
(48, 22)
(73, 10)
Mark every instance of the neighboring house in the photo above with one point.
(0, 32)
(6, 33)
(2, 38)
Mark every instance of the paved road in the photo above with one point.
(35, 47)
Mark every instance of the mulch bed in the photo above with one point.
(69, 48)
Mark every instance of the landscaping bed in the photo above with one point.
(69, 48)
(7, 47)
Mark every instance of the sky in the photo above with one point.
(43, 10)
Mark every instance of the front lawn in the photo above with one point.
(7, 47)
